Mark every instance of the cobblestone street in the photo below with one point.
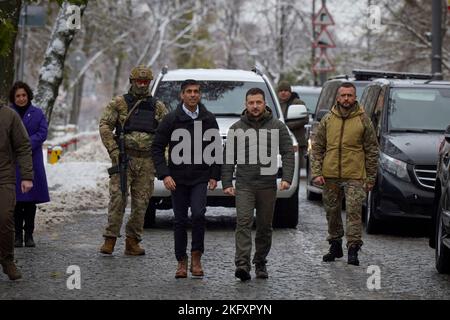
(295, 264)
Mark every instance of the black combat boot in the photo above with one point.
(335, 251)
(353, 254)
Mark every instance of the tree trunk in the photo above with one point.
(9, 13)
(51, 73)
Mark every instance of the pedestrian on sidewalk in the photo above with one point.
(36, 125)
(254, 188)
(188, 181)
(15, 148)
(344, 160)
(127, 127)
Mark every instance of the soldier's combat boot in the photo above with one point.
(132, 247)
(10, 269)
(334, 252)
(353, 254)
(108, 246)
(182, 268)
(196, 265)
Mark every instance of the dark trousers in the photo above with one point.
(24, 215)
(8, 195)
(182, 198)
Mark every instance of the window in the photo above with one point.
(421, 109)
(219, 97)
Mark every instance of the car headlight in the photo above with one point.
(393, 166)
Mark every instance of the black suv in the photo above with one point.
(327, 98)
(409, 117)
(440, 232)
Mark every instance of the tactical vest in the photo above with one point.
(142, 118)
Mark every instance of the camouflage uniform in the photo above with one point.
(140, 172)
(345, 153)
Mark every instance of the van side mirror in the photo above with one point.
(447, 134)
(322, 113)
(297, 112)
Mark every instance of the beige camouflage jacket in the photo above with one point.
(117, 110)
(345, 148)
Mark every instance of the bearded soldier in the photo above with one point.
(127, 128)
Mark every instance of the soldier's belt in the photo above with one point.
(138, 154)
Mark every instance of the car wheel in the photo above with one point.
(150, 214)
(442, 251)
(286, 212)
(371, 222)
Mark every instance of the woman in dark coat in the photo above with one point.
(35, 122)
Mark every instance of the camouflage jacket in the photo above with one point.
(345, 147)
(115, 114)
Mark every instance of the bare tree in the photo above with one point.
(51, 73)
(9, 21)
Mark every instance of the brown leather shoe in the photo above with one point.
(9, 268)
(108, 246)
(132, 247)
(182, 268)
(196, 265)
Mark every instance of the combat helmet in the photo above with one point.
(141, 72)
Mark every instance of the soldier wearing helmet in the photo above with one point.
(134, 116)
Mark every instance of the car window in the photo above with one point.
(360, 86)
(371, 95)
(327, 97)
(377, 113)
(419, 109)
(219, 97)
(310, 100)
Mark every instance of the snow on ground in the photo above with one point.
(77, 183)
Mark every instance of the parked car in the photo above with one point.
(409, 117)
(223, 93)
(309, 95)
(326, 100)
(440, 226)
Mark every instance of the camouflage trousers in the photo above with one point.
(355, 194)
(140, 178)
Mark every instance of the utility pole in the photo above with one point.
(323, 74)
(313, 48)
(436, 35)
(369, 34)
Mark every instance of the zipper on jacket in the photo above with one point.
(340, 147)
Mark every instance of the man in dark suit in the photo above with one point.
(187, 178)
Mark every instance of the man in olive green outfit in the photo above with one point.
(345, 156)
(15, 147)
(136, 115)
(287, 98)
(255, 187)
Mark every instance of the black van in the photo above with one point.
(409, 117)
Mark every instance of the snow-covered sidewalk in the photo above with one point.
(77, 183)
